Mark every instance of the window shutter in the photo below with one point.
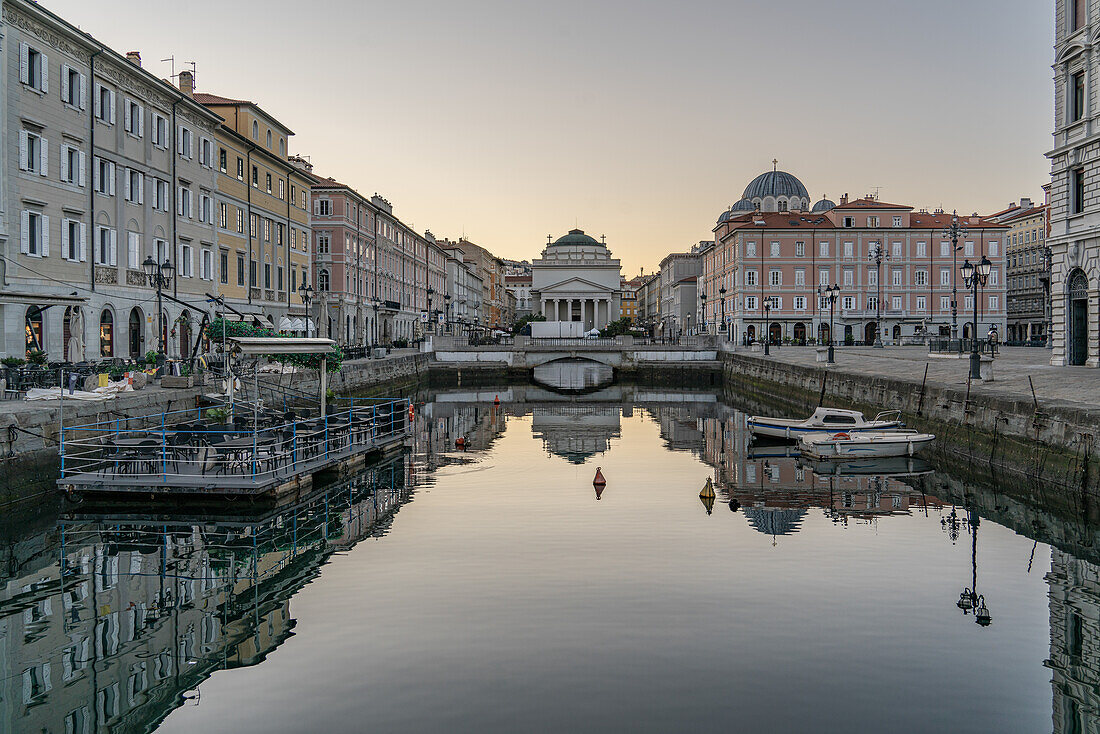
(141, 121)
(83, 92)
(45, 74)
(64, 83)
(24, 232)
(317, 206)
(95, 173)
(23, 158)
(111, 100)
(45, 169)
(141, 191)
(24, 63)
(129, 193)
(64, 162)
(179, 259)
(80, 174)
(83, 242)
(191, 270)
(45, 235)
(179, 139)
(179, 201)
(65, 238)
(126, 114)
(114, 247)
(111, 177)
(97, 106)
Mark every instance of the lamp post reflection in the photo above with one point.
(970, 600)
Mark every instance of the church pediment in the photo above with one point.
(575, 285)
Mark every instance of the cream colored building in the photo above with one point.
(576, 279)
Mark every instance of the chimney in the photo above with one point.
(134, 57)
(1026, 204)
(187, 83)
(844, 199)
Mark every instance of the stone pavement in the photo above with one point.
(1072, 386)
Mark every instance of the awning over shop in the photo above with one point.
(257, 319)
(287, 323)
(38, 299)
(252, 345)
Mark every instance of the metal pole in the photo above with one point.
(955, 285)
(324, 385)
(975, 360)
(61, 419)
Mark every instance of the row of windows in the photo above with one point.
(848, 303)
(897, 277)
(848, 249)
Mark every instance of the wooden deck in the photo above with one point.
(189, 480)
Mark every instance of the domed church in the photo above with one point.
(774, 191)
(577, 280)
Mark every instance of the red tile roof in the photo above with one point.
(871, 204)
(205, 98)
(924, 220)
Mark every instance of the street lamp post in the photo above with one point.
(877, 254)
(722, 300)
(305, 291)
(703, 313)
(767, 325)
(159, 275)
(1045, 280)
(830, 293)
(430, 293)
(953, 232)
(375, 304)
(973, 277)
(447, 312)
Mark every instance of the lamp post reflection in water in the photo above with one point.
(970, 600)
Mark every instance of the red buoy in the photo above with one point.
(496, 400)
(599, 481)
(460, 442)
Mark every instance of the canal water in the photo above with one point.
(495, 589)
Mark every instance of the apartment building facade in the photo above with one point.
(262, 211)
(104, 173)
(896, 269)
(1027, 268)
(1075, 187)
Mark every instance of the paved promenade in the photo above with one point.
(1075, 386)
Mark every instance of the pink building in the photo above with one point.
(771, 248)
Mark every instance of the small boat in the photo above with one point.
(866, 444)
(823, 419)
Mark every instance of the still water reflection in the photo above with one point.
(573, 375)
(494, 589)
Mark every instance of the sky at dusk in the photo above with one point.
(642, 121)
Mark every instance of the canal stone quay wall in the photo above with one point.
(1045, 440)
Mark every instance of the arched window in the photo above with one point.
(106, 334)
(255, 130)
(282, 146)
(269, 139)
(34, 329)
(322, 280)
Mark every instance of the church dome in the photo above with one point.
(823, 206)
(775, 184)
(745, 205)
(725, 217)
(576, 237)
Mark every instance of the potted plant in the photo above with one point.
(217, 415)
(37, 357)
(13, 362)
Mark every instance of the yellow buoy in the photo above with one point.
(708, 489)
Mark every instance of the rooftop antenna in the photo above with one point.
(875, 191)
(170, 60)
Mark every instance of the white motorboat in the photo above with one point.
(867, 444)
(823, 419)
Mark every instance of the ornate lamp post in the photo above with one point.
(973, 277)
(305, 292)
(159, 275)
(703, 312)
(375, 304)
(447, 311)
(953, 232)
(877, 254)
(767, 324)
(722, 300)
(830, 293)
(430, 293)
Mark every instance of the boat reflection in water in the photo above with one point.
(122, 618)
(573, 375)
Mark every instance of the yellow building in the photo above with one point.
(261, 212)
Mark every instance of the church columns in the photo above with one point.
(584, 314)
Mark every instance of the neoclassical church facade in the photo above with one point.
(576, 279)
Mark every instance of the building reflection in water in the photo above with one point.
(1074, 643)
(120, 621)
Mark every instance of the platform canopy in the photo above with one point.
(255, 345)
